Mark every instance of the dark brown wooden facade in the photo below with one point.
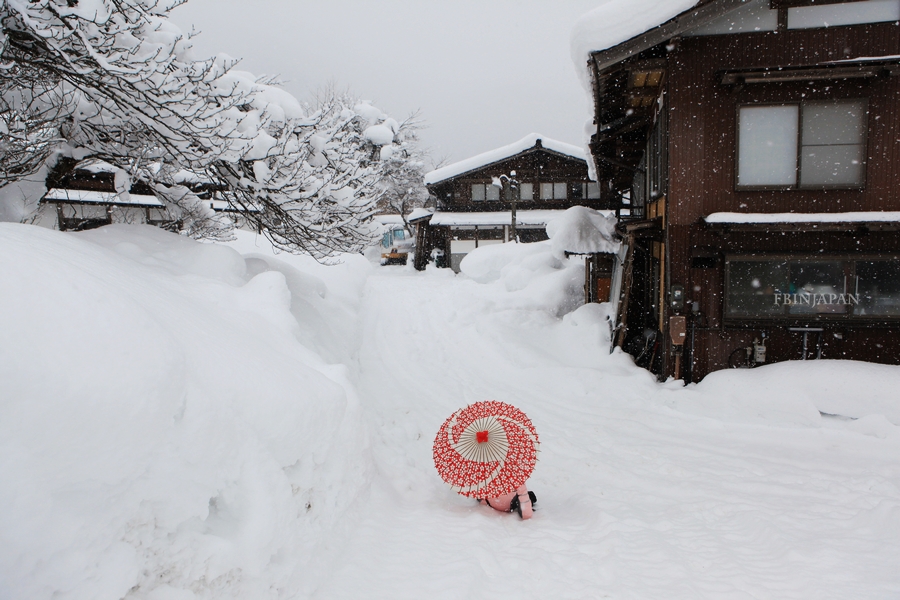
(676, 157)
(537, 178)
(76, 214)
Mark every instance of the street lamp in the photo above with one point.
(510, 186)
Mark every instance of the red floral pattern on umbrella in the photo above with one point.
(486, 450)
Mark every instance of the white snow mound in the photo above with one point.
(533, 274)
(582, 230)
(159, 422)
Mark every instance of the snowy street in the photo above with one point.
(508, 300)
(218, 425)
(637, 500)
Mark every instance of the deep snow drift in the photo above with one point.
(183, 420)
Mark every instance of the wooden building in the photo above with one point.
(85, 195)
(536, 177)
(759, 144)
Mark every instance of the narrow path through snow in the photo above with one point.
(636, 499)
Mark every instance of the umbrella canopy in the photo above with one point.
(486, 450)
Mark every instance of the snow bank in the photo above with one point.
(159, 423)
(182, 420)
(533, 275)
(800, 392)
(582, 230)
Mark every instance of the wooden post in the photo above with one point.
(626, 292)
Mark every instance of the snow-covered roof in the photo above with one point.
(95, 197)
(96, 166)
(617, 21)
(389, 219)
(185, 176)
(844, 217)
(497, 218)
(419, 213)
(492, 156)
(226, 206)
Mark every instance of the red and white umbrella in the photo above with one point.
(486, 450)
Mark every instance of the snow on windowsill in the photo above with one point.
(846, 217)
(497, 218)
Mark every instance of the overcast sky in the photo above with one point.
(484, 73)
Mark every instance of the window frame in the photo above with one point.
(848, 263)
(798, 185)
(486, 187)
(530, 197)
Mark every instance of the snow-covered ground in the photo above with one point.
(183, 420)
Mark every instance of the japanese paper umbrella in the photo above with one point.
(486, 450)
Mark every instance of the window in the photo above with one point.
(481, 192)
(526, 191)
(593, 190)
(833, 143)
(803, 288)
(554, 191)
(847, 13)
(878, 286)
(810, 144)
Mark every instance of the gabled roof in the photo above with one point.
(618, 21)
(619, 29)
(529, 142)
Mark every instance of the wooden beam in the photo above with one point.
(833, 71)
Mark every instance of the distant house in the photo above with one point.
(85, 195)
(536, 176)
(758, 141)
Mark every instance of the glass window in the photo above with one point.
(831, 15)
(578, 190)
(559, 191)
(767, 147)
(593, 190)
(789, 287)
(831, 139)
(816, 288)
(833, 143)
(546, 191)
(753, 286)
(477, 192)
(878, 288)
(492, 192)
(526, 191)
